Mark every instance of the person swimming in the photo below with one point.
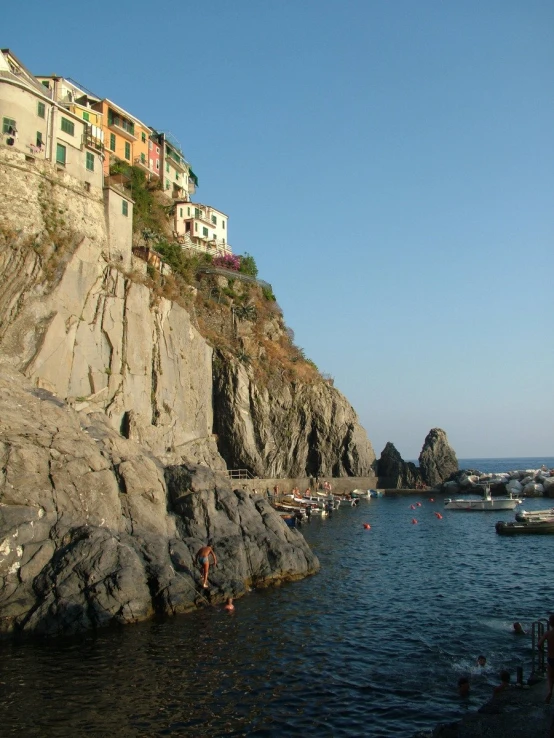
(481, 661)
(229, 605)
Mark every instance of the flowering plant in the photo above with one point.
(227, 261)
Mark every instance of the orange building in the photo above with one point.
(125, 137)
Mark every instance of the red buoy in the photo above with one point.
(431, 499)
(414, 521)
(418, 504)
(412, 507)
(438, 515)
(367, 526)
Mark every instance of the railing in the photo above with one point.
(538, 629)
(142, 163)
(240, 474)
(232, 274)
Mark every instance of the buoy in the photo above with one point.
(414, 521)
(431, 499)
(438, 515)
(412, 507)
(418, 504)
(367, 526)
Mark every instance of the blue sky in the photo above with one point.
(390, 165)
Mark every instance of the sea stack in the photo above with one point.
(437, 460)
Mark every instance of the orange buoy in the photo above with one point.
(418, 504)
(412, 507)
(367, 526)
(438, 515)
(414, 521)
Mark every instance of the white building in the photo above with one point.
(202, 227)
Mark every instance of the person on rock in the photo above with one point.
(203, 558)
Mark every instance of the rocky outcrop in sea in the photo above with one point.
(437, 462)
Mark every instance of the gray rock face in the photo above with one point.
(91, 533)
(437, 460)
(399, 474)
(289, 430)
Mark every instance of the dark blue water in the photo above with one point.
(490, 466)
(372, 646)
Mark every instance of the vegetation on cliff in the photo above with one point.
(236, 313)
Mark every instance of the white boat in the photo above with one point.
(535, 516)
(361, 493)
(487, 502)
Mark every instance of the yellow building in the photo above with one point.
(125, 137)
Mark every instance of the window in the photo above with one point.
(60, 154)
(46, 84)
(90, 161)
(8, 126)
(149, 145)
(167, 167)
(158, 164)
(205, 232)
(157, 149)
(125, 207)
(188, 211)
(39, 140)
(196, 213)
(143, 137)
(86, 116)
(41, 110)
(68, 126)
(142, 159)
(117, 120)
(180, 212)
(196, 226)
(127, 150)
(223, 224)
(112, 141)
(166, 184)
(214, 220)
(177, 176)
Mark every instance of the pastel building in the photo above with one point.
(201, 227)
(34, 122)
(178, 179)
(126, 137)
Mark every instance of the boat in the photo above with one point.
(487, 502)
(534, 516)
(530, 528)
(361, 493)
(376, 492)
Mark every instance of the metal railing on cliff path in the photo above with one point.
(240, 474)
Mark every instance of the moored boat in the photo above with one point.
(530, 528)
(528, 516)
(487, 502)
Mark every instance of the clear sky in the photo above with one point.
(389, 164)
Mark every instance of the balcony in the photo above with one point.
(123, 126)
(142, 164)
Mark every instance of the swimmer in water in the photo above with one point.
(481, 661)
(463, 686)
(229, 605)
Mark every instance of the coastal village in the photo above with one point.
(115, 458)
(56, 120)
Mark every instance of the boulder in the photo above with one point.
(394, 472)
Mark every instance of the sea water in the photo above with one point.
(373, 645)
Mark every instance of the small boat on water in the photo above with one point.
(365, 493)
(376, 493)
(487, 502)
(530, 528)
(534, 516)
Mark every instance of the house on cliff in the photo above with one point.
(34, 123)
(202, 228)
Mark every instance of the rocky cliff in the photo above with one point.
(94, 529)
(116, 421)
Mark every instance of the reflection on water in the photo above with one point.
(373, 645)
